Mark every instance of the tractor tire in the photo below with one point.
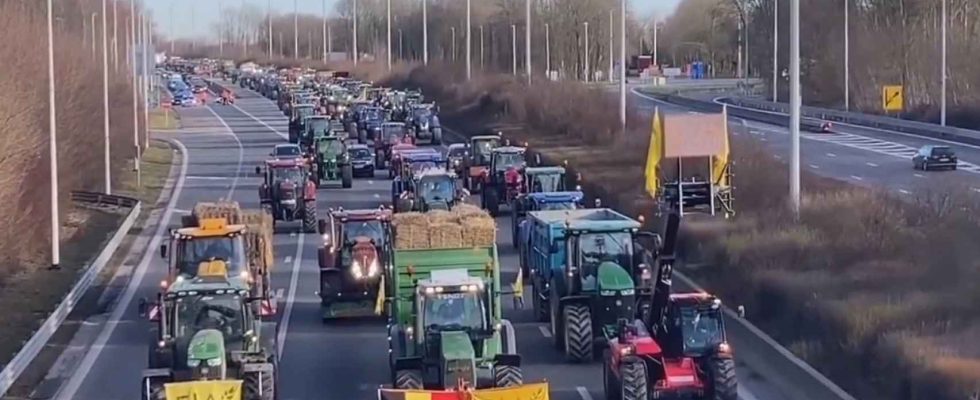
(437, 136)
(555, 316)
(540, 305)
(362, 136)
(724, 385)
(156, 390)
(347, 176)
(507, 376)
(490, 201)
(255, 381)
(610, 382)
(633, 383)
(309, 216)
(578, 333)
(408, 379)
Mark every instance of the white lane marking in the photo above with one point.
(377, 196)
(918, 175)
(544, 331)
(976, 190)
(694, 113)
(293, 281)
(181, 211)
(241, 153)
(583, 393)
(274, 130)
(279, 293)
(814, 166)
(208, 178)
(857, 178)
(831, 155)
(70, 389)
(292, 234)
(871, 164)
(288, 259)
(903, 191)
(370, 182)
(745, 394)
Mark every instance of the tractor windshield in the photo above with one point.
(437, 187)
(371, 229)
(596, 248)
(557, 205)
(223, 312)
(303, 112)
(507, 161)
(453, 311)
(192, 252)
(418, 166)
(547, 182)
(482, 150)
(394, 133)
(330, 148)
(318, 125)
(701, 329)
(292, 174)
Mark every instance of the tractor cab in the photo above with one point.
(357, 248)
(212, 240)
(332, 161)
(297, 120)
(430, 189)
(316, 126)
(694, 327)
(289, 191)
(545, 179)
(503, 181)
(540, 201)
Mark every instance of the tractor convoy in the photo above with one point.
(426, 260)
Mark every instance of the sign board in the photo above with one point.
(893, 98)
(204, 390)
(672, 72)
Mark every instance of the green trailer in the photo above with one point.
(445, 325)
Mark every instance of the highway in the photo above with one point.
(862, 156)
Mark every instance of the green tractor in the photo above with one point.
(315, 126)
(207, 329)
(445, 328)
(331, 162)
(593, 274)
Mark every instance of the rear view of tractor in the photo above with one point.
(331, 162)
(503, 180)
(356, 250)
(288, 192)
(477, 160)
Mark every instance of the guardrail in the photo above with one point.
(12, 371)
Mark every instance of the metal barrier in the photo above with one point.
(103, 199)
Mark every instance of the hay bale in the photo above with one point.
(479, 231)
(443, 235)
(411, 230)
(258, 237)
(441, 217)
(463, 211)
(229, 210)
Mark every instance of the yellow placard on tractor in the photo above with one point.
(204, 390)
(534, 391)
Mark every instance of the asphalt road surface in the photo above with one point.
(341, 360)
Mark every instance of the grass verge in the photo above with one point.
(164, 118)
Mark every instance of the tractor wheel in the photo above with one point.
(152, 389)
(437, 136)
(634, 380)
(578, 333)
(347, 176)
(610, 382)
(362, 136)
(408, 379)
(555, 316)
(256, 381)
(490, 201)
(309, 216)
(540, 305)
(507, 376)
(724, 386)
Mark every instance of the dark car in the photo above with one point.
(362, 160)
(455, 156)
(934, 157)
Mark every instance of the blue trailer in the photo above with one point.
(541, 201)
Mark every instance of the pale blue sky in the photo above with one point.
(206, 11)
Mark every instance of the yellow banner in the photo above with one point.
(204, 390)
(654, 152)
(534, 391)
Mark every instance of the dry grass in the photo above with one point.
(164, 118)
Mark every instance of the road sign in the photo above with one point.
(893, 98)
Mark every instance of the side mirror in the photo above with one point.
(163, 251)
(741, 311)
(143, 307)
(322, 226)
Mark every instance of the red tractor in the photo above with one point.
(503, 180)
(357, 245)
(677, 348)
(477, 160)
(288, 192)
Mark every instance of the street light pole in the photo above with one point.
(401, 45)
(513, 38)
(425, 34)
(295, 28)
(245, 38)
(469, 43)
(135, 84)
(847, 55)
(221, 30)
(389, 35)
(323, 40)
(482, 64)
(622, 66)
(587, 74)
(527, 40)
(105, 97)
(268, 15)
(452, 29)
(115, 35)
(775, 50)
(547, 50)
(145, 27)
(611, 45)
(173, 28)
(53, 147)
(794, 105)
(354, 33)
(94, 45)
(942, 115)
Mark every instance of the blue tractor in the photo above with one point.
(537, 180)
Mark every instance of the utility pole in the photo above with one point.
(547, 50)
(221, 29)
(794, 106)
(145, 27)
(354, 33)
(513, 37)
(295, 29)
(611, 24)
(389, 35)
(847, 55)
(115, 35)
(136, 79)
(329, 40)
(323, 40)
(469, 43)
(587, 74)
(425, 34)
(309, 45)
(245, 38)
(105, 97)
(173, 27)
(775, 50)
(942, 116)
(527, 41)
(482, 64)
(656, 44)
(94, 45)
(452, 29)
(401, 45)
(268, 15)
(53, 147)
(622, 67)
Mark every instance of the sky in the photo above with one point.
(206, 11)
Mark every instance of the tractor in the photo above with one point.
(369, 122)
(288, 192)
(478, 160)
(425, 123)
(503, 181)
(315, 126)
(357, 247)
(297, 121)
(428, 189)
(331, 162)
(538, 180)
(540, 201)
(207, 329)
(592, 274)
(391, 134)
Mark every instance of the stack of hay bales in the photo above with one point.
(465, 226)
(258, 228)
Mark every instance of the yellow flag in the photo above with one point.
(217, 390)
(518, 285)
(721, 160)
(535, 391)
(654, 152)
(379, 303)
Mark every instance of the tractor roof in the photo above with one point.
(544, 170)
(210, 227)
(508, 149)
(484, 137)
(393, 124)
(435, 172)
(451, 277)
(286, 163)
(587, 219)
(358, 146)
(457, 146)
(362, 214)
(556, 197)
(413, 156)
(701, 299)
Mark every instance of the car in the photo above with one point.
(362, 159)
(816, 125)
(286, 151)
(455, 157)
(934, 157)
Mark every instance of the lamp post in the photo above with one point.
(587, 74)
(105, 99)
(527, 40)
(795, 102)
(469, 43)
(425, 34)
(53, 147)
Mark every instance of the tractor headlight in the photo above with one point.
(214, 362)
(193, 363)
(355, 269)
(373, 268)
